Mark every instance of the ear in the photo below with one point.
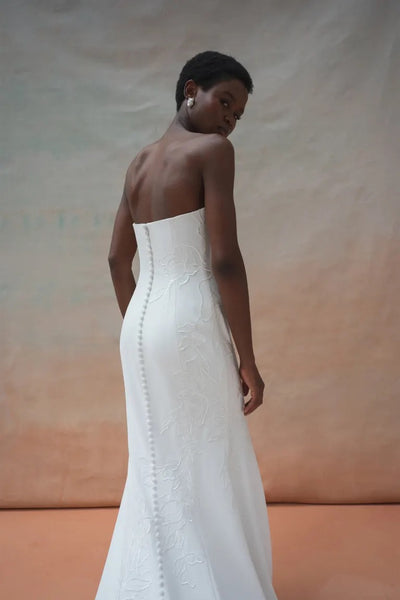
(190, 88)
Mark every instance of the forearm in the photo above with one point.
(233, 289)
(124, 284)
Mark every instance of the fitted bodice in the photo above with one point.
(173, 250)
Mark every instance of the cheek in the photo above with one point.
(213, 108)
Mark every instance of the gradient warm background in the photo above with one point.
(84, 86)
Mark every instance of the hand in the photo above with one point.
(251, 381)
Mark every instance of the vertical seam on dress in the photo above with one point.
(150, 433)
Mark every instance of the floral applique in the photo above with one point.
(197, 422)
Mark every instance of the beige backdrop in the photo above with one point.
(84, 86)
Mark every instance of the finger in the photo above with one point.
(249, 406)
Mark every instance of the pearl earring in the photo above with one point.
(190, 102)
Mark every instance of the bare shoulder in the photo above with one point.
(134, 168)
(215, 146)
(139, 159)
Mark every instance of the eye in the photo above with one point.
(226, 103)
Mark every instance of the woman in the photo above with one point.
(192, 523)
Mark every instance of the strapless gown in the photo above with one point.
(193, 522)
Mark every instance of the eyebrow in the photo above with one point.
(233, 98)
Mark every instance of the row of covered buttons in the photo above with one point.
(148, 416)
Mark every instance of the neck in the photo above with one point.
(180, 122)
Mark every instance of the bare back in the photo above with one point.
(165, 179)
(178, 174)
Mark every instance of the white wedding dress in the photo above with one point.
(193, 522)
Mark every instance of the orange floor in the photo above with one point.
(320, 552)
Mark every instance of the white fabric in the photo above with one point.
(193, 522)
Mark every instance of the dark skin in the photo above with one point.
(191, 166)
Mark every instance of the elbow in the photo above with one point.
(225, 267)
(112, 261)
(116, 263)
(227, 263)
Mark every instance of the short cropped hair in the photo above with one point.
(209, 68)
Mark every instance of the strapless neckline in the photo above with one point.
(191, 212)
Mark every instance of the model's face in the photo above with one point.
(218, 109)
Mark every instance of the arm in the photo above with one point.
(227, 262)
(122, 250)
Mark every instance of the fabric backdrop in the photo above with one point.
(84, 86)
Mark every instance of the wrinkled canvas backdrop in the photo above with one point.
(84, 86)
